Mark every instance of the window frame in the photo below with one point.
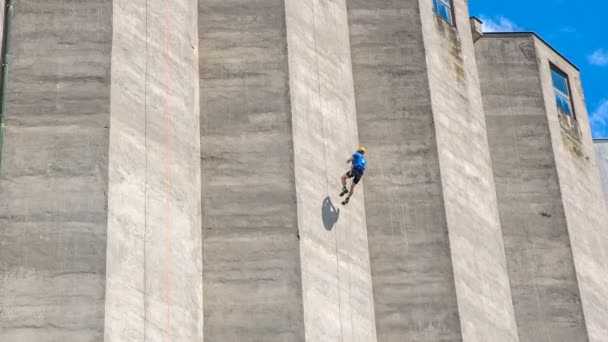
(556, 92)
(450, 5)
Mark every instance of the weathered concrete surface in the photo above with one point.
(414, 294)
(582, 197)
(601, 152)
(539, 257)
(272, 271)
(336, 279)
(154, 264)
(250, 169)
(252, 281)
(53, 179)
(476, 244)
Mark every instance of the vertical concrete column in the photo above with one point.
(581, 194)
(252, 281)
(476, 243)
(53, 181)
(408, 237)
(154, 262)
(336, 280)
(431, 205)
(539, 257)
(281, 261)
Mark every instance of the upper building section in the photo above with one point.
(544, 160)
(533, 222)
(523, 60)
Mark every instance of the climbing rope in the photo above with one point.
(353, 142)
(325, 159)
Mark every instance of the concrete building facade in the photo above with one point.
(551, 208)
(54, 172)
(434, 235)
(170, 172)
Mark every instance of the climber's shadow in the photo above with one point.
(329, 213)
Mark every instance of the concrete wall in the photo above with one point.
(601, 153)
(209, 136)
(414, 292)
(336, 280)
(583, 201)
(469, 195)
(276, 127)
(252, 280)
(539, 257)
(154, 259)
(53, 181)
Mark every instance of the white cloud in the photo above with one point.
(599, 120)
(599, 57)
(499, 24)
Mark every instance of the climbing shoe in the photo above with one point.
(344, 192)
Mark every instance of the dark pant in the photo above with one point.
(355, 174)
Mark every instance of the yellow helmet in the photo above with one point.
(361, 149)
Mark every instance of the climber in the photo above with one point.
(356, 172)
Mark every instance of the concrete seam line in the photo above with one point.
(168, 165)
(145, 331)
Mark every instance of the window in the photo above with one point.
(443, 8)
(561, 87)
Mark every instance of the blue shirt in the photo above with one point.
(359, 161)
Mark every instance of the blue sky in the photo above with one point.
(572, 27)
